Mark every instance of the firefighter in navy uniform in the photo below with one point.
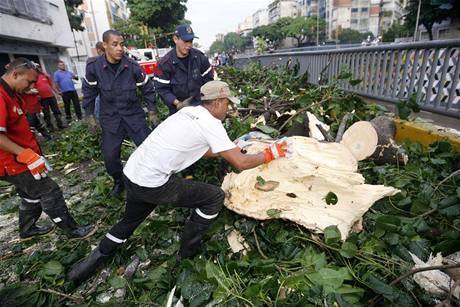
(183, 71)
(116, 78)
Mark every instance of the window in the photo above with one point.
(354, 10)
(364, 9)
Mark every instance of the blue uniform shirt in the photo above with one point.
(117, 90)
(64, 79)
(175, 81)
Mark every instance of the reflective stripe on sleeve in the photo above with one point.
(162, 80)
(143, 82)
(114, 239)
(204, 215)
(94, 83)
(57, 220)
(3, 129)
(31, 201)
(207, 71)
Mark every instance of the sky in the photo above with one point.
(210, 17)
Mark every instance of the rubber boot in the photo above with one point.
(43, 131)
(118, 188)
(191, 240)
(27, 219)
(82, 270)
(71, 228)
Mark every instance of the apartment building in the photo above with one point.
(35, 29)
(260, 18)
(282, 8)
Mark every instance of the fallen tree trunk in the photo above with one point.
(374, 140)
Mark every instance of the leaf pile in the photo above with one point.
(284, 265)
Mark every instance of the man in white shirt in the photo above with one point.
(151, 174)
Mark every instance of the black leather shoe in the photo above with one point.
(35, 231)
(118, 188)
(83, 270)
(81, 231)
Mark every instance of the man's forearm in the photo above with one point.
(9, 146)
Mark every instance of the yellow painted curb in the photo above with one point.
(424, 133)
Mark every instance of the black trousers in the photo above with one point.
(71, 97)
(43, 193)
(47, 104)
(206, 199)
(111, 146)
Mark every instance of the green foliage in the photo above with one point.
(216, 47)
(75, 18)
(396, 31)
(164, 15)
(406, 107)
(430, 14)
(350, 36)
(304, 29)
(131, 30)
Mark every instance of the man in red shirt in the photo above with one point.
(47, 90)
(21, 160)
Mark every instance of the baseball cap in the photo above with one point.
(185, 32)
(217, 89)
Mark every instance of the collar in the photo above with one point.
(7, 88)
(123, 61)
(176, 60)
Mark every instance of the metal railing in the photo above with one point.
(394, 72)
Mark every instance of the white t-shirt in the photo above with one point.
(178, 142)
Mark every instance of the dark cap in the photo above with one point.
(185, 32)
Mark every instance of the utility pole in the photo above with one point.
(417, 20)
(317, 22)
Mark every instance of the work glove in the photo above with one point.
(36, 164)
(181, 104)
(278, 149)
(153, 118)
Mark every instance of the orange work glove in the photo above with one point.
(37, 164)
(276, 150)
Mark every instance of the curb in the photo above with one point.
(425, 133)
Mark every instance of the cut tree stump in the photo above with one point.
(374, 140)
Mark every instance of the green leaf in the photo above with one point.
(274, 213)
(331, 198)
(332, 234)
(348, 250)
(260, 180)
(388, 222)
(117, 282)
(266, 129)
(52, 268)
(458, 192)
(329, 279)
(354, 82)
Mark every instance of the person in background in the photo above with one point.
(151, 175)
(47, 92)
(182, 71)
(33, 108)
(64, 81)
(116, 78)
(21, 160)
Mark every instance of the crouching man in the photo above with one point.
(21, 161)
(151, 175)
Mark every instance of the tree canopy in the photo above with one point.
(75, 17)
(350, 36)
(430, 13)
(303, 29)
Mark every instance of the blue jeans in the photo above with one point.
(97, 108)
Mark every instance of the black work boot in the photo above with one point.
(118, 188)
(43, 131)
(27, 220)
(71, 228)
(191, 240)
(82, 270)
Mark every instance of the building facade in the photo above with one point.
(36, 29)
(282, 8)
(260, 18)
